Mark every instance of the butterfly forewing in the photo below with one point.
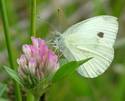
(95, 38)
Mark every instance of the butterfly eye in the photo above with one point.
(100, 34)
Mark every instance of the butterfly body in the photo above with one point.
(93, 37)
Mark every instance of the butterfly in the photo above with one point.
(93, 37)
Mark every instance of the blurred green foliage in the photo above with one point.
(108, 87)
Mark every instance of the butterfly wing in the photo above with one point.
(95, 38)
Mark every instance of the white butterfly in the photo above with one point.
(93, 37)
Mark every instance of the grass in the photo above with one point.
(8, 43)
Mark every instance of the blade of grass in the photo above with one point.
(30, 97)
(8, 43)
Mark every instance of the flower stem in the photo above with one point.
(8, 43)
(30, 97)
(33, 17)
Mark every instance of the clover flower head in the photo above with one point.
(37, 59)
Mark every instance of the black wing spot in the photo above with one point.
(100, 34)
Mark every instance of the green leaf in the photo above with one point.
(3, 87)
(67, 69)
(13, 74)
